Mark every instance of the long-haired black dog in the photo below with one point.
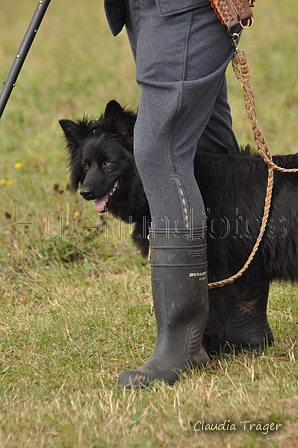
(233, 186)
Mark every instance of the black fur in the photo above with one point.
(233, 188)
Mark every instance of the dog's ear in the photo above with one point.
(118, 120)
(75, 134)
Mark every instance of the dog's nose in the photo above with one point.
(87, 192)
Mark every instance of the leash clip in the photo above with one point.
(235, 41)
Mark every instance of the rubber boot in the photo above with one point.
(180, 297)
(248, 326)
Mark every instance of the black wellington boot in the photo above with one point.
(248, 326)
(180, 297)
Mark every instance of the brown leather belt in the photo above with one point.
(233, 12)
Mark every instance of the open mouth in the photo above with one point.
(100, 204)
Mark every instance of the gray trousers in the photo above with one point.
(181, 59)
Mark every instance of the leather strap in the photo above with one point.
(233, 12)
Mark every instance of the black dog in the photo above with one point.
(233, 186)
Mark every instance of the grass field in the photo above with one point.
(75, 298)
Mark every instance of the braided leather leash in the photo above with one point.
(241, 70)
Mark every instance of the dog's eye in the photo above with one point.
(106, 163)
(86, 166)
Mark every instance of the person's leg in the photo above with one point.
(218, 136)
(181, 62)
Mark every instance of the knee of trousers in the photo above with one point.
(151, 155)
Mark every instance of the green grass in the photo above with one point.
(76, 306)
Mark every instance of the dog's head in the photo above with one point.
(101, 158)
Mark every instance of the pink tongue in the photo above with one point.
(99, 204)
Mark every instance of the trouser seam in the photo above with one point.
(182, 92)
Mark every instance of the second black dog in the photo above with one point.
(233, 186)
